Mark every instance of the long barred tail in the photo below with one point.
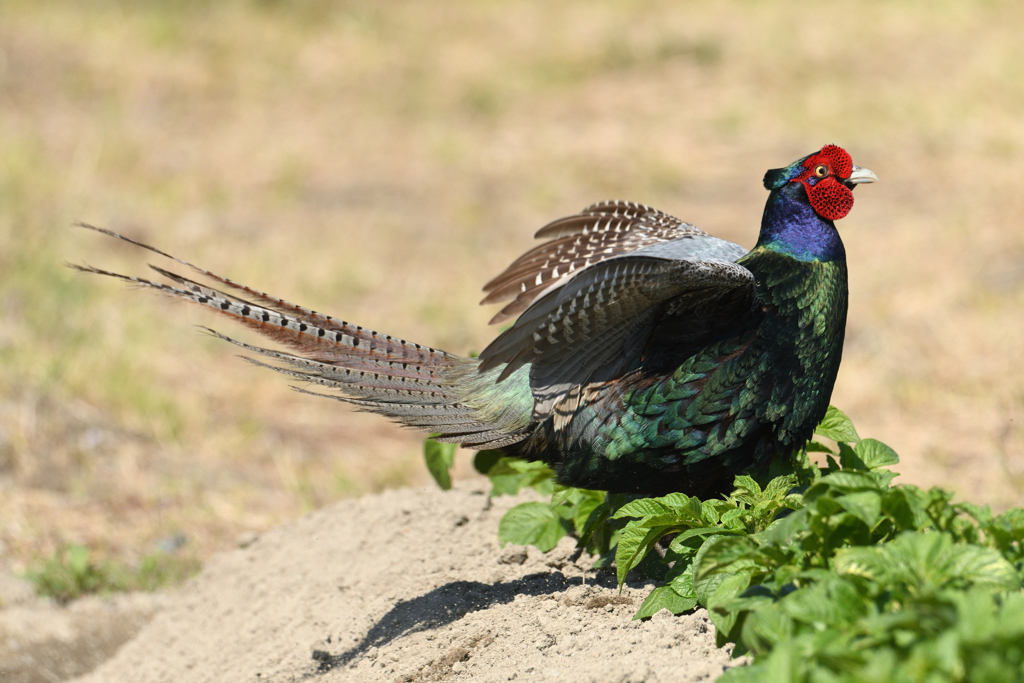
(407, 382)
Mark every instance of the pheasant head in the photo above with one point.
(829, 176)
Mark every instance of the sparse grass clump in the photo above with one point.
(72, 571)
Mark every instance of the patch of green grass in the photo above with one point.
(72, 572)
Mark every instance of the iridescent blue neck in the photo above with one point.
(791, 226)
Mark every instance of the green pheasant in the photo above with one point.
(645, 355)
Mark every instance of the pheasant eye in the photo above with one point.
(821, 170)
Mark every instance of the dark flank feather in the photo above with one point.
(645, 355)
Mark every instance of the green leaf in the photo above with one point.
(875, 454)
(440, 457)
(509, 475)
(635, 542)
(983, 567)
(788, 528)
(699, 532)
(864, 505)
(709, 512)
(664, 597)
(720, 554)
(731, 515)
(1012, 521)
(483, 461)
(745, 485)
(981, 513)
(848, 458)
(905, 505)
(837, 426)
(763, 628)
(833, 602)
(585, 508)
(596, 533)
(644, 507)
(682, 581)
(726, 588)
(779, 487)
(683, 504)
(533, 524)
(850, 481)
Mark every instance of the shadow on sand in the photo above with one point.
(449, 603)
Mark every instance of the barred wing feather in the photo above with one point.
(596, 324)
(599, 232)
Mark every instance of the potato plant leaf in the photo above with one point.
(837, 426)
(439, 458)
(510, 475)
(874, 454)
(665, 597)
(533, 524)
(483, 461)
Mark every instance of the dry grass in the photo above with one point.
(382, 160)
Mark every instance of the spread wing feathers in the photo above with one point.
(595, 326)
(375, 372)
(599, 232)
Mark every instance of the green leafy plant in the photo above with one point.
(584, 514)
(823, 570)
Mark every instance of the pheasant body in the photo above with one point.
(646, 355)
(730, 406)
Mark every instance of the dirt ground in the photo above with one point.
(410, 585)
(381, 161)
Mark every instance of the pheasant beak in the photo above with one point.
(860, 175)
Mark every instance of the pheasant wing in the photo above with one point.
(599, 323)
(599, 232)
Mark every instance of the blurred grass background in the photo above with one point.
(382, 160)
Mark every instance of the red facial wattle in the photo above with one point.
(829, 197)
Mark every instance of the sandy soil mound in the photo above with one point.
(409, 585)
